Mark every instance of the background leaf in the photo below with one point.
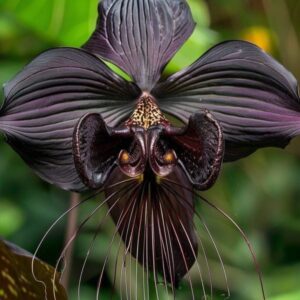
(58, 21)
(17, 281)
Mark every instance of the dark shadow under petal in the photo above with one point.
(141, 36)
(44, 102)
(253, 97)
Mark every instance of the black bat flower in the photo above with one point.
(124, 142)
(148, 149)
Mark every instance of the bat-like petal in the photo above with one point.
(253, 97)
(95, 150)
(141, 36)
(200, 149)
(44, 102)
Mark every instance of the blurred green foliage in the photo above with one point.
(261, 192)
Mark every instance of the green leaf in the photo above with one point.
(17, 281)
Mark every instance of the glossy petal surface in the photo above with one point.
(253, 97)
(44, 102)
(141, 36)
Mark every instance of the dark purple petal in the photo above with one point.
(253, 97)
(200, 150)
(155, 220)
(44, 102)
(141, 36)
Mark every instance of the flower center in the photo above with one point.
(146, 113)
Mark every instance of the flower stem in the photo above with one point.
(70, 230)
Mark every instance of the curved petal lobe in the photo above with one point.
(44, 102)
(200, 150)
(95, 150)
(253, 97)
(141, 36)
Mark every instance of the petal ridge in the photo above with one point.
(141, 36)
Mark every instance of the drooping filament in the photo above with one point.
(150, 222)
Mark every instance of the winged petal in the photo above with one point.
(141, 36)
(253, 97)
(44, 102)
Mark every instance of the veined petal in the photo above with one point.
(45, 101)
(141, 36)
(253, 97)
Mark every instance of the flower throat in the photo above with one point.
(146, 113)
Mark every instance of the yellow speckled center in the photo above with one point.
(146, 113)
